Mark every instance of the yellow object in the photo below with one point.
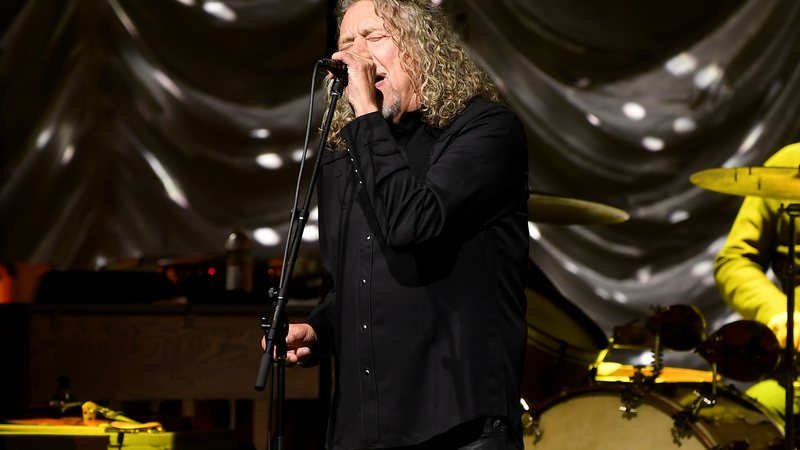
(758, 241)
(74, 437)
(120, 422)
(612, 372)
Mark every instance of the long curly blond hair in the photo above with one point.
(444, 76)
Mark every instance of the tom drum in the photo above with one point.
(563, 345)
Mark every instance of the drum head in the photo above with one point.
(592, 420)
(589, 417)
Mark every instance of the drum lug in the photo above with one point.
(632, 396)
(531, 422)
(681, 428)
(536, 428)
(532, 425)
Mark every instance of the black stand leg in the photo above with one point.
(275, 338)
(793, 211)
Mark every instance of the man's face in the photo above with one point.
(363, 33)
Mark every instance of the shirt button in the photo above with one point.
(366, 372)
(363, 282)
(367, 237)
(363, 328)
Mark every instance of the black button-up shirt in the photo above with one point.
(424, 232)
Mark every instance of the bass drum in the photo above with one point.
(590, 418)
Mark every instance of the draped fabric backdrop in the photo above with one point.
(138, 129)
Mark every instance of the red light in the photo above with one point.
(212, 271)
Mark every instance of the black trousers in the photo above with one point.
(488, 433)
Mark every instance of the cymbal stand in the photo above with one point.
(658, 353)
(632, 397)
(275, 332)
(792, 210)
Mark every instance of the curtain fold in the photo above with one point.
(135, 129)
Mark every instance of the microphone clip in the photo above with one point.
(336, 67)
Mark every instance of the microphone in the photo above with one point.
(336, 67)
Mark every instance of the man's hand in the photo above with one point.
(360, 91)
(299, 340)
(778, 326)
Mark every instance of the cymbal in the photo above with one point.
(616, 372)
(556, 210)
(775, 182)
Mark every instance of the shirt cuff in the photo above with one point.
(369, 132)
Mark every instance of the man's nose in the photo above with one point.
(361, 48)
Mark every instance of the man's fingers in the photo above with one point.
(296, 357)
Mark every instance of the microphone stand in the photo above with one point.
(792, 210)
(275, 332)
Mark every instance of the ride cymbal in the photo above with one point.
(544, 208)
(774, 182)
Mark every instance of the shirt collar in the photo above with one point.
(409, 122)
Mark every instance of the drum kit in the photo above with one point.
(575, 400)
